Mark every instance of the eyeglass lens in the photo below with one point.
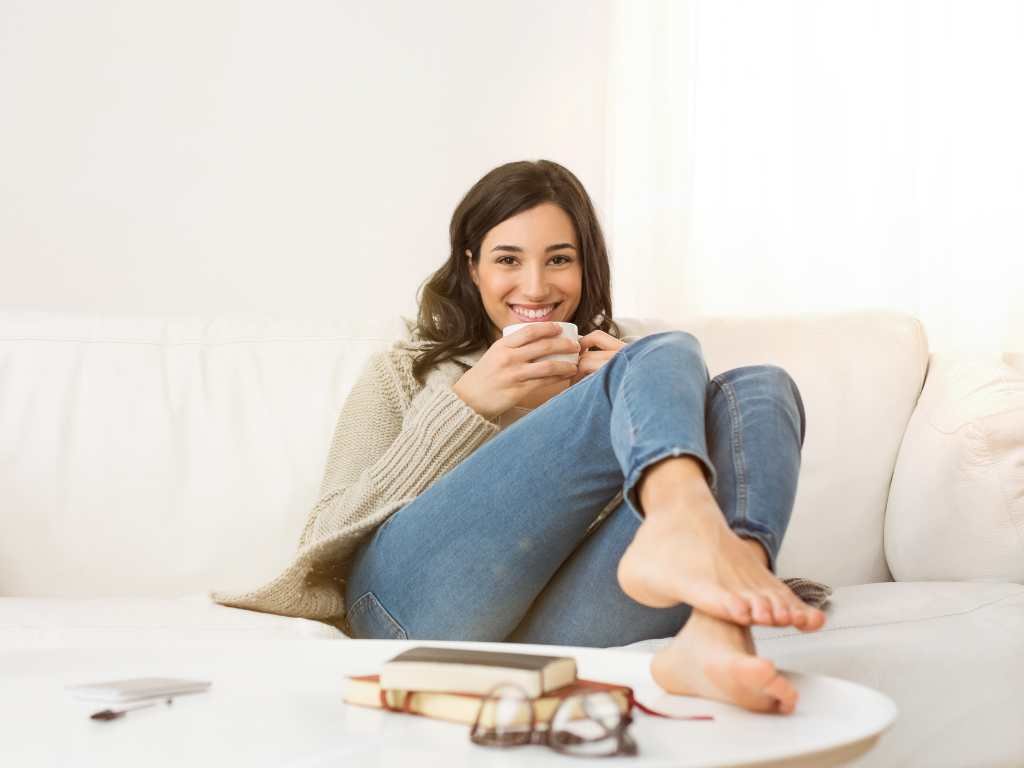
(505, 718)
(586, 725)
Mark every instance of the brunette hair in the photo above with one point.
(451, 314)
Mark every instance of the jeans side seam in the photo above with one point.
(739, 462)
(670, 452)
(632, 432)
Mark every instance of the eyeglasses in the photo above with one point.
(587, 725)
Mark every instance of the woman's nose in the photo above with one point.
(536, 286)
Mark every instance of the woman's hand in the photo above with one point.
(591, 360)
(507, 373)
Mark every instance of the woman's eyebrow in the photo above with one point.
(517, 249)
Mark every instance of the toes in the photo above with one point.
(797, 611)
(813, 618)
(752, 682)
(783, 691)
(779, 687)
(760, 607)
(799, 618)
(756, 685)
(780, 610)
(722, 604)
(797, 607)
(738, 608)
(804, 617)
(787, 704)
(817, 619)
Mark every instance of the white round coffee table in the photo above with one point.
(280, 704)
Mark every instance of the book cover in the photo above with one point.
(426, 668)
(463, 707)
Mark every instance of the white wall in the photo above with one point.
(209, 157)
(799, 156)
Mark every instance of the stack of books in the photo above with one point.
(450, 683)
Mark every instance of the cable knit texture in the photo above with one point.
(393, 438)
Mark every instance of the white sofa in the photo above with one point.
(145, 461)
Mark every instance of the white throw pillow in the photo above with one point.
(956, 507)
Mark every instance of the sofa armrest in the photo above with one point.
(956, 505)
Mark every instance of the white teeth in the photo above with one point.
(532, 313)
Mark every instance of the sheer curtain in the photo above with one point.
(805, 155)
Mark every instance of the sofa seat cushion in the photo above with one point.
(190, 620)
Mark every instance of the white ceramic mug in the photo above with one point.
(569, 330)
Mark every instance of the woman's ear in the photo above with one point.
(472, 270)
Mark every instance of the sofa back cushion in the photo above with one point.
(169, 456)
(859, 375)
(956, 511)
(162, 456)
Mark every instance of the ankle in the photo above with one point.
(672, 483)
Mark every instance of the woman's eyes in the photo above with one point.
(567, 259)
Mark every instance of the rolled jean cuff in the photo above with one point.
(638, 470)
(764, 537)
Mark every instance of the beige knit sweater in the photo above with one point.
(392, 440)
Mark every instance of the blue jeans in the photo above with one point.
(497, 549)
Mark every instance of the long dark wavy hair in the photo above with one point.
(452, 318)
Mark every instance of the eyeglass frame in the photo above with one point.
(625, 744)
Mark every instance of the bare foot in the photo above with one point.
(716, 659)
(689, 555)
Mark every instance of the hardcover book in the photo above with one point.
(463, 707)
(426, 668)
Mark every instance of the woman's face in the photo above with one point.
(530, 260)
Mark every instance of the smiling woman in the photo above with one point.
(613, 510)
(524, 236)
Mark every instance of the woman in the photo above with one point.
(467, 489)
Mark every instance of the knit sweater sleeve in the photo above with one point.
(384, 451)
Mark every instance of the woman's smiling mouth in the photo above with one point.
(533, 315)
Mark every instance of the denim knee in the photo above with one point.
(683, 339)
(776, 379)
(787, 388)
(668, 337)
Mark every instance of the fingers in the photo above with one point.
(601, 340)
(541, 346)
